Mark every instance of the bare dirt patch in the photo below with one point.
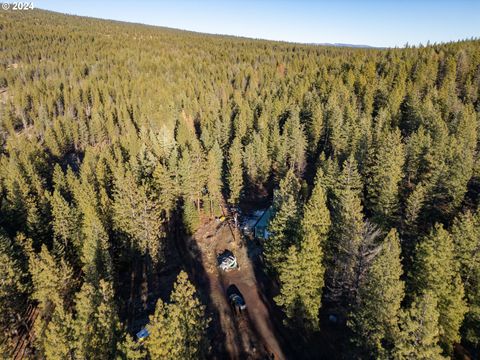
(250, 334)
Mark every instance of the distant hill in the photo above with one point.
(348, 45)
(166, 28)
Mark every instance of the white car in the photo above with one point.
(227, 261)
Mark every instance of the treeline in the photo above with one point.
(114, 133)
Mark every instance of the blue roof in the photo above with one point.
(265, 218)
(142, 334)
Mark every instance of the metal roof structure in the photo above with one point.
(261, 225)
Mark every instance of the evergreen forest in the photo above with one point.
(119, 141)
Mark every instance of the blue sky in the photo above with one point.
(371, 22)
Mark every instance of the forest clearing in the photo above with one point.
(250, 334)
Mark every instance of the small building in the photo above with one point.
(143, 334)
(261, 226)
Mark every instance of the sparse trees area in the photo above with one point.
(119, 139)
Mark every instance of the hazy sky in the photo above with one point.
(371, 22)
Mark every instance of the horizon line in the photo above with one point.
(325, 44)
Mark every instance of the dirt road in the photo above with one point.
(251, 334)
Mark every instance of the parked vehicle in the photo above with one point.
(235, 298)
(227, 261)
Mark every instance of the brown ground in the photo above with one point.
(250, 335)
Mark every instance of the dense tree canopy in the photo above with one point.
(120, 140)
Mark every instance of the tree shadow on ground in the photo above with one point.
(192, 262)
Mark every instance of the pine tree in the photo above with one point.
(177, 330)
(66, 226)
(349, 178)
(235, 172)
(130, 349)
(295, 142)
(285, 222)
(166, 187)
(410, 113)
(191, 169)
(414, 205)
(417, 157)
(335, 136)
(256, 160)
(419, 330)
(316, 220)
(96, 325)
(466, 238)
(331, 174)
(95, 247)
(108, 324)
(59, 336)
(348, 230)
(95, 253)
(278, 151)
(240, 121)
(84, 326)
(214, 179)
(58, 179)
(190, 216)
(53, 284)
(315, 125)
(385, 173)
(291, 284)
(301, 276)
(14, 287)
(136, 214)
(436, 270)
(375, 317)
(52, 279)
(191, 313)
(461, 158)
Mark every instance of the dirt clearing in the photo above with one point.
(247, 335)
